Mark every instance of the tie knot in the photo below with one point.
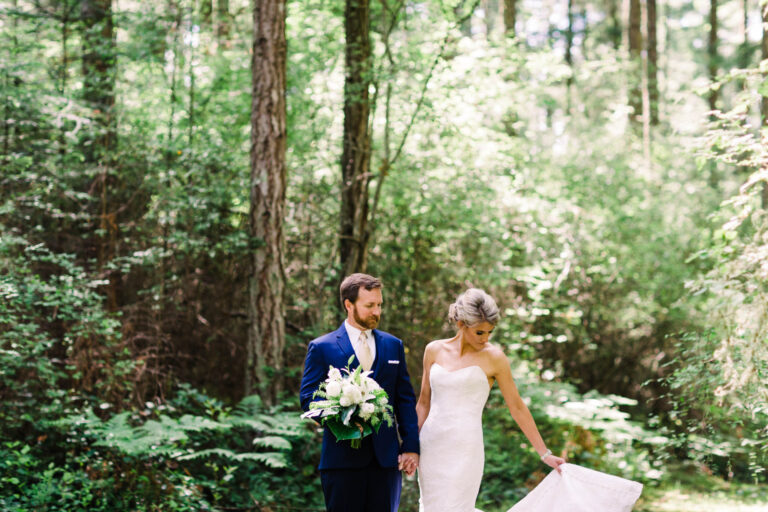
(363, 337)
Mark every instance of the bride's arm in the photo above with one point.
(422, 406)
(519, 410)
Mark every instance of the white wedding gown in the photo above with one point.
(451, 439)
(452, 457)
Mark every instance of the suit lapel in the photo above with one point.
(345, 346)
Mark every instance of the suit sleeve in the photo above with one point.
(315, 372)
(405, 408)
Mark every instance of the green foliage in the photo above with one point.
(219, 457)
(720, 378)
(123, 278)
(54, 333)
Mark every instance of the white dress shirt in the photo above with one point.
(354, 338)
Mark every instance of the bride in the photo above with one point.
(458, 375)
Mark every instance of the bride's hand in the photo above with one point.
(554, 462)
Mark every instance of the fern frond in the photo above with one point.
(278, 443)
(274, 460)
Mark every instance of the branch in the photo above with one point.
(387, 162)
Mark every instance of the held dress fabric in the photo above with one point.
(581, 490)
(452, 457)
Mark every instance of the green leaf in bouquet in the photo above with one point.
(354, 433)
(346, 414)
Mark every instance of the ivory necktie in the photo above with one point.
(364, 352)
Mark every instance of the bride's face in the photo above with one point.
(476, 335)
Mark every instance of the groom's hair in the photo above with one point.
(350, 286)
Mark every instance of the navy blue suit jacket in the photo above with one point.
(334, 349)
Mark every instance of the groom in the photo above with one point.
(366, 479)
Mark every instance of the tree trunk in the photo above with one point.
(99, 63)
(223, 20)
(712, 54)
(764, 100)
(614, 30)
(491, 9)
(206, 12)
(7, 115)
(266, 333)
(653, 63)
(569, 48)
(99, 143)
(635, 53)
(510, 17)
(764, 52)
(356, 149)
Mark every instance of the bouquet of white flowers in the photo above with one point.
(353, 405)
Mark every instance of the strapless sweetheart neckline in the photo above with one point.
(459, 369)
(446, 370)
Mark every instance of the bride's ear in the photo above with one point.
(460, 324)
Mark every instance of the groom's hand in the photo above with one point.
(408, 462)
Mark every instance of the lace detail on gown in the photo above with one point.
(452, 456)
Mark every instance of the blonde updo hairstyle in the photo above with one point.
(474, 306)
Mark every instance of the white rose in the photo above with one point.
(344, 401)
(334, 374)
(333, 389)
(371, 385)
(366, 410)
(348, 390)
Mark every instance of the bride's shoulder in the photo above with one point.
(435, 346)
(495, 353)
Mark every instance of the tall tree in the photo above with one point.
(614, 27)
(569, 45)
(99, 64)
(266, 333)
(222, 20)
(635, 55)
(356, 145)
(764, 47)
(712, 59)
(99, 144)
(492, 9)
(764, 99)
(653, 63)
(510, 16)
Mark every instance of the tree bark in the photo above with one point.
(356, 146)
(266, 333)
(99, 143)
(99, 63)
(764, 52)
(510, 17)
(223, 20)
(569, 48)
(491, 9)
(712, 54)
(614, 30)
(653, 64)
(764, 99)
(635, 53)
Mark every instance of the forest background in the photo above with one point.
(185, 182)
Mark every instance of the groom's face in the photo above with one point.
(366, 310)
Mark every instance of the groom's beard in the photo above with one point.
(369, 322)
